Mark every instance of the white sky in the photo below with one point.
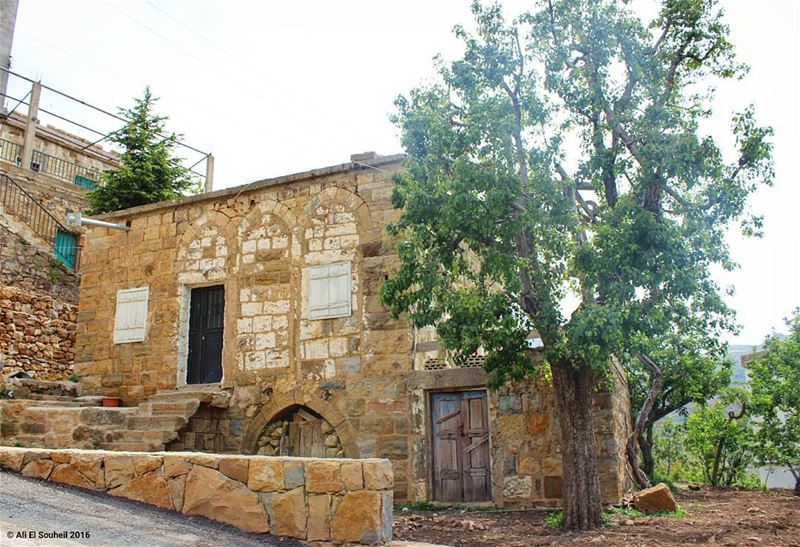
(281, 86)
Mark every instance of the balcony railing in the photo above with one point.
(11, 151)
(42, 162)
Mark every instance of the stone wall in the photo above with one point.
(341, 501)
(259, 244)
(37, 333)
(355, 372)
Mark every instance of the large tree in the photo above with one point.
(559, 156)
(148, 169)
(774, 378)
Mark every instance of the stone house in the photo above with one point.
(268, 294)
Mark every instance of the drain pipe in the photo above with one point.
(77, 220)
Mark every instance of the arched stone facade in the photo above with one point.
(264, 329)
(208, 254)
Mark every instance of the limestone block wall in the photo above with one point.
(340, 501)
(259, 244)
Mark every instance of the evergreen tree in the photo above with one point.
(148, 171)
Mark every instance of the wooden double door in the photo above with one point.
(460, 439)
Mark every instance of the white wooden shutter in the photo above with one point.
(130, 321)
(329, 291)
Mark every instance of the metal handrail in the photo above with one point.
(10, 151)
(61, 168)
(16, 200)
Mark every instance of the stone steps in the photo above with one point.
(150, 426)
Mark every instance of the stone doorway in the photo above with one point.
(301, 432)
(460, 442)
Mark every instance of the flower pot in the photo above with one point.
(110, 401)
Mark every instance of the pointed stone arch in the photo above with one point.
(280, 403)
(352, 203)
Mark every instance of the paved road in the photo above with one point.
(38, 506)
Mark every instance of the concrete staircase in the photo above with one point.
(149, 427)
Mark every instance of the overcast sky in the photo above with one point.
(277, 87)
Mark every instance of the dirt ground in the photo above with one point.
(713, 517)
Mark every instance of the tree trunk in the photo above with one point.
(583, 502)
(648, 460)
(797, 486)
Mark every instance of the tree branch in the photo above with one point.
(641, 420)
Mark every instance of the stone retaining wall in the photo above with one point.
(37, 333)
(342, 501)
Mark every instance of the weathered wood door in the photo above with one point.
(460, 431)
(206, 318)
(305, 437)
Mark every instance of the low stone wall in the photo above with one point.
(342, 501)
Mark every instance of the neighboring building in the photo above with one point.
(254, 314)
(39, 254)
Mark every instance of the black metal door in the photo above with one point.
(206, 318)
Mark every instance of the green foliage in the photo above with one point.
(555, 520)
(625, 511)
(492, 240)
(718, 438)
(148, 170)
(774, 377)
(74, 378)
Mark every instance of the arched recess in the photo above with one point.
(279, 405)
(208, 254)
(268, 245)
(324, 203)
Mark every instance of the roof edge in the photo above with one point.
(253, 186)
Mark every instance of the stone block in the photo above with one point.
(289, 514)
(293, 474)
(11, 459)
(655, 499)
(319, 520)
(235, 468)
(118, 470)
(323, 476)
(175, 466)
(213, 495)
(377, 474)
(149, 488)
(64, 473)
(144, 464)
(38, 469)
(358, 518)
(352, 475)
(266, 475)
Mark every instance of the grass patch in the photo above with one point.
(554, 521)
(679, 513)
(625, 511)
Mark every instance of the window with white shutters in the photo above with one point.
(329, 291)
(131, 317)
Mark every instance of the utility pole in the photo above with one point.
(209, 186)
(8, 20)
(30, 125)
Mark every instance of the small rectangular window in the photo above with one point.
(130, 321)
(329, 291)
